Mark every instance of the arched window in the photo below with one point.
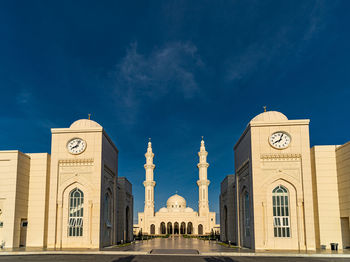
(76, 213)
(280, 205)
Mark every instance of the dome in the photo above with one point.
(269, 116)
(84, 123)
(176, 201)
(189, 210)
(163, 210)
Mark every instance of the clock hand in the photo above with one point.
(279, 139)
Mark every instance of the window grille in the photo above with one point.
(76, 213)
(281, 218)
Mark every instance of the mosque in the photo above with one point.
(284, 194)
(176, 218)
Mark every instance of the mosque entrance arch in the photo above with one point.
(200, 229)
(169, 228)
(183, 228)
(176, 228)
(153, 229)
(189, 228)
(162, 228)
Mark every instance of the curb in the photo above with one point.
(24, 253)
(145, 253)
(260, 254)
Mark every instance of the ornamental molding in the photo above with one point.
(281, 157)
(203, 182)
(205, 165)
(149, 183)
(76, 162)
(151, 166)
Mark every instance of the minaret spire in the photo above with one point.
(203, 182)
(149, 183)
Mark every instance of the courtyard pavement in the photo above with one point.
(173, 246)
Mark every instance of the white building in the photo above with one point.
(68, 199)
(176, 217)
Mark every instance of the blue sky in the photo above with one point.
(173, 71)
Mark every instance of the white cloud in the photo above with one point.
(165, 70)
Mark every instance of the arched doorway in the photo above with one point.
(189, 228)
(200, 229)
(169, 228)
(162, 228)
(126, 233)
(183, 228)
(153, 229)
(176, 228)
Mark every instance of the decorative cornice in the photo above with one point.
(149, 183)
(205, 165)
(76, 162)
(276, 157)
(203, 182)
(146, 166)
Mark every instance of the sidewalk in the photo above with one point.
(178, 247)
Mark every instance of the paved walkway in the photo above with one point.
(174, 243)
(175, 246)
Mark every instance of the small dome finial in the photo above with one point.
(264, 108)
(89, 115)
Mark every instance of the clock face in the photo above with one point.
(280, 140)
(76, 146)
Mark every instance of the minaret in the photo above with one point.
(149, 182)
(203, 182)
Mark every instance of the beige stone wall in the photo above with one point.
(22, 186)
(68, 172)
(109, 186)
(38, 199)
(326, 199)
(227, 210)
(343, 169)
(260, 168)
(14, 176)
(243, 184)
(35, 189)
(125, 211)
(290, 167)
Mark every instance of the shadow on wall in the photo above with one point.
(124, 259)
(219, 259)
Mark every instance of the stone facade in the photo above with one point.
(286, 195)
(125, 211)
(176, 218)
(65, 200)
(227, 209)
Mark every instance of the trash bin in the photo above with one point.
(334, 246)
